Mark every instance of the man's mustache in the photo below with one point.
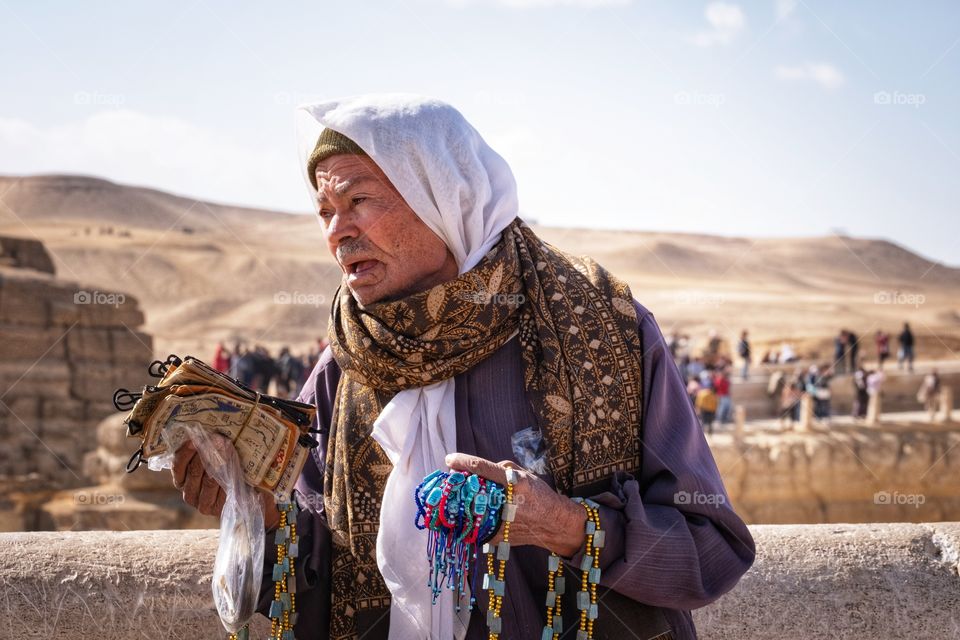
(352, 247)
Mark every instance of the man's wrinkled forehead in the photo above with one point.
(331, 184)
(339, 173)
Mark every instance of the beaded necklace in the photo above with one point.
(494, 582)
(283, 611)
(590, 570)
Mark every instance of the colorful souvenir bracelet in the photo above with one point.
(462, 511)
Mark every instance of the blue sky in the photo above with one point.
(770, 118)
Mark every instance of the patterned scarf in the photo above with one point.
(582, 371)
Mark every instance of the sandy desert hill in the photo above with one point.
(204, 271)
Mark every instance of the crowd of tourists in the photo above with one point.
(282, 375)
(708, 374)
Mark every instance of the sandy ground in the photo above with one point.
(203, 272)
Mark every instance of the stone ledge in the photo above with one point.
(839, 581)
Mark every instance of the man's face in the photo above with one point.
(383, 248)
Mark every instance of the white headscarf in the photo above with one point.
(465, 192)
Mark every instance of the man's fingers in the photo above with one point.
(181, 459)
(477, 465)
(192, 481)
(209, 490)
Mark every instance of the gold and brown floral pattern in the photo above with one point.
(582, 371)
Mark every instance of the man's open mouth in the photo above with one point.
(361, 266)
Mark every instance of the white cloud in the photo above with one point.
(785, 8)
(726, 21)
(161, 152)
(824, 74)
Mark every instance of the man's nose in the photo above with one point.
(341, 228)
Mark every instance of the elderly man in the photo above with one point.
(459, 339)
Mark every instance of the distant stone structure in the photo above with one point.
(121, 501)
(64, 349)
(896, 471)
(24, 253)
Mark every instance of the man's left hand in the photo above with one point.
(544, 517)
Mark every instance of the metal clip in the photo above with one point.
(124, 399)
(135, 460)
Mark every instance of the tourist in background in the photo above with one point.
(875, 385)
(695, 367)
(818, 386)
(860, 396)
(721, 385)
(221, 358)
(787, 354)
(882, 338)
(289, 370)
(673, 343)
(840, 352)
(905, 353)
(775, 385)
(693, 386)
(853, 346)
(706, 406)
(791, 394)
(743, 350)
(929, 393)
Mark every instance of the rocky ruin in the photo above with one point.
(902, 470)
(64, 349)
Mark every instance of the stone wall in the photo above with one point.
(64, 349)
(879, 581)
(120, 501)
(24, 253)
(898, 471)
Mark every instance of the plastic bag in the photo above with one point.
(238, 568)
(530, 450)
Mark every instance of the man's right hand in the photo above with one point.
(204, 494)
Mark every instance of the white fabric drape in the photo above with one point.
(465, 192)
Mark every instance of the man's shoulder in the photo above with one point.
(324, 376)
(325, 360)
(646, 321)
(642, 312)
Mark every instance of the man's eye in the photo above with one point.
(323, 213)
(358, 200)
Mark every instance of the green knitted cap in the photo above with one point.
(330, 143)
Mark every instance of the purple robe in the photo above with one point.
(673, 540)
